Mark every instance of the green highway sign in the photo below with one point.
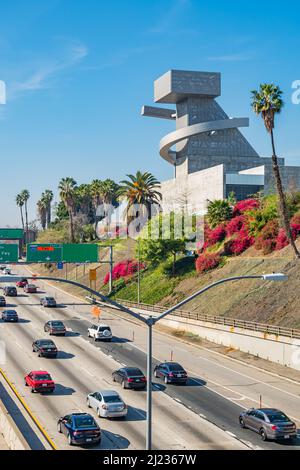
(44, 253)
(11, 233)
(66, 253)
(9, 253)
(83, 253)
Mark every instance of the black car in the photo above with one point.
(2, 301)
(10, 291)
(130, 377)
(45, 348)
(55, 327)
(80, 429)
(48, 302)
(171, 372)
(10, 316)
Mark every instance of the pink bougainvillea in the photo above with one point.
(213, 236)
(245, 205)
(235, 225)
(281, 240)
(124, 269)
(207, 261)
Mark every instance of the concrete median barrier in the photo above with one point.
(11, 433)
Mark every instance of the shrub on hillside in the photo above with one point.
(281, 240)
(235, 225)
(124, 269)
(239, 244)
(214, 236)
(245, 205)
(207, 261)
(267, 239)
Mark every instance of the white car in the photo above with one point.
(107, 403)
(100, 331)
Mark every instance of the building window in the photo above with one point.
(243, 191)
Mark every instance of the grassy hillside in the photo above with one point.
(269, 302)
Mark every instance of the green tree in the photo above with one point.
(267, 102)
(67, 191)
(140, 191)
(20, 204)
(218, 211)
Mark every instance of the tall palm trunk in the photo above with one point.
(282, 201)
(22, 218)
(26, 221)
(71, 225)
(48, 217)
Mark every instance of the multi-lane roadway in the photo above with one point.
(201, 415)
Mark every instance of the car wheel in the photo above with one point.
(98, 413)
(263, 434)
(114, 378)
(32, 390)
(89, 334)
(70, 439)
(26, 384)
(39, 354)
(242, 423)
(166, 380)
(88, 403)
(59, 428)
(95, 339)
(123, 384)
(155, 374)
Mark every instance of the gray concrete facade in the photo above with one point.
(205, 138)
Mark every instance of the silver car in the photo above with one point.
(107, 403)
(270, 423)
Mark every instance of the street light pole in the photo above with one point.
(150, 323)
(139, 279)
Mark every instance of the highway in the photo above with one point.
(83, 366)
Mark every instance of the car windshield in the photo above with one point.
(277, 417)
(84, 421)
(49, 298)
(57, 323)
(41, 377)
(175, 367)
(134, 372)
(112, 399)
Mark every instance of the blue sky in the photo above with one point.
(78, 72)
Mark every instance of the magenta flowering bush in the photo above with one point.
(124, 269)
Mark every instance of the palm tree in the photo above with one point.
(25, 195)
(218, 211)
(20, 204)
(109, 193)
(141, 190)
(96, 193)
(267, 102)
(42, 211)
(47, 197)
(67, 188)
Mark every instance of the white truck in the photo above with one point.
(100, 332)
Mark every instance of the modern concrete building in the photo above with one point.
(210, 155)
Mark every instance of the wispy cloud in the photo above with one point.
(46, 70)
(169, 18)
(120, 58)
(229, 58)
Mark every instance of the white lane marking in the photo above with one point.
(177, 399)
(202, 416)
(124, 365)
(230, 434)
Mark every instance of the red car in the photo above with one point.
(22, 283)
(30, 289)
(39, 381)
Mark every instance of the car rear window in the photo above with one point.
(175, 367)
(112, 399)
(57, 323)
(41, 377)
(49, 298)
(46, 343)
(11, 312)
(277, 417)
(103, 328)
(134, 372)
(84, 421)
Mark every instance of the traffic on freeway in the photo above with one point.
(70, 383)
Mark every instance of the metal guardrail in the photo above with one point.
(244, 324)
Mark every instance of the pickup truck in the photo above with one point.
(99, 332)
